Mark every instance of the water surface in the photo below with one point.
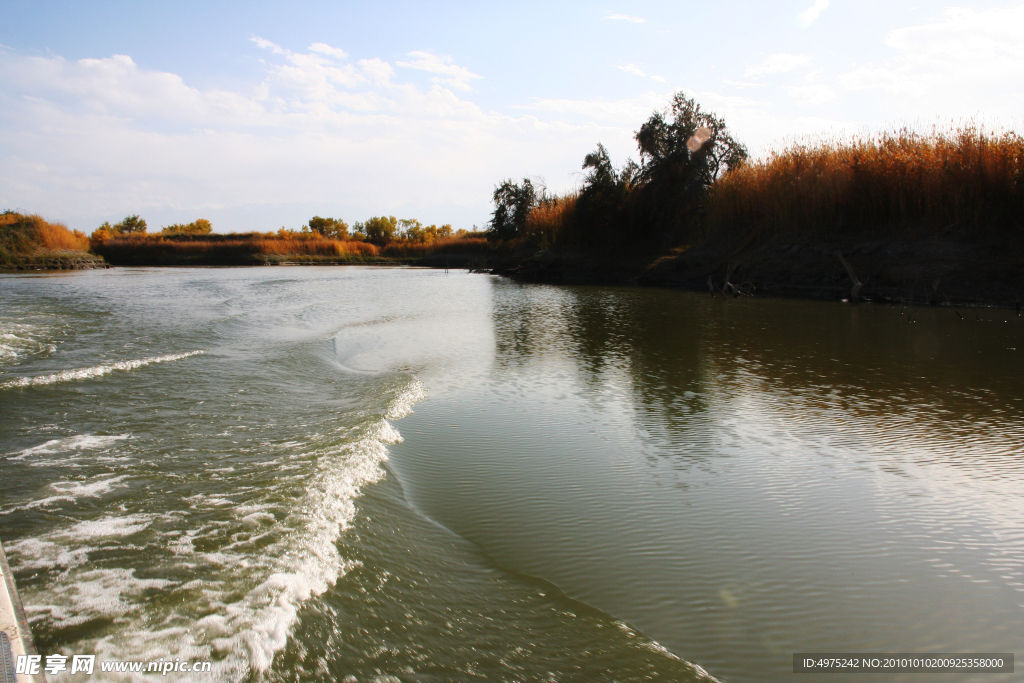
(398, 474)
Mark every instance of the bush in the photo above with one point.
(200, 226)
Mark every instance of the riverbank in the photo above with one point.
(946, 270)
(28, 242)
(924, 218)
(256, 249)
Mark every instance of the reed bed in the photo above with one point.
(314, 247)
(449, 245)
(30, 236)
(551, 220)
(966, 181)
(251, 248)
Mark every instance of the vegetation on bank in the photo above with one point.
(381, 239)
(941, 211)
(29, 241)
(694, 182)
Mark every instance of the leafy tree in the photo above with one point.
(335, 228)
(686, 138)
(512, 204)
(130, 224)
(683, 150)
(602, 174)
(379, 229)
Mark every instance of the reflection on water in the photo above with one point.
(594, 483)
(743, 479)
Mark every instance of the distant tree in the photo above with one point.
(512, 204)
(379, 229)
(200, 226)
(130, 224)
(335, 228)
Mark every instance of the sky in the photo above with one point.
(258, 115)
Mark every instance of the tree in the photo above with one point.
(687, 138)
(683, 150)
(130, 224)
(512, 204)
(379, 229)
(602, 174)
(335, 228)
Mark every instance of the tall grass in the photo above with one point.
(29, 235)
(239, 249)
(966, 181)
(314, 247)
(550, 221)
(448, 245)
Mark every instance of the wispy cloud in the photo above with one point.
(325, 49)
(811, 14)
(267, 45)
(625, 17)
(266, 153)
(970, 52)
(778, 63)
(637, 71)
(457, 77)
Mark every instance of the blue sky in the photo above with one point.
(257, 115)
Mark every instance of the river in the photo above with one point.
(388, 474)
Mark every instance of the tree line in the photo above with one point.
(652, 202)
(379, 230)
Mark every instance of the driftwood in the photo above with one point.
(855, 291)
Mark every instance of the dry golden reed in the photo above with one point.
(959, 179)
(461, 245)
(552, 218)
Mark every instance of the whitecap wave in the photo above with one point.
(79, 442)
(69, 491)
(95, 371)
(22, 339)
(241, 631)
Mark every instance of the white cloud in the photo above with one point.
(637, 71)
(966, 62)
(811, 14)
(267, 45)
(778, 63)
(457, 76)
(326, 49)
(625, 17)
(84, 141)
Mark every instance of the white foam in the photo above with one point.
(298, 559)
(95, 371)
(79, 442)
(124, 525)
(19, 339)
(71, 490)
(403, 403)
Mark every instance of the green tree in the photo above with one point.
(683, 150)
(687, 139)
(130, 224)
(379, 229)
(512, 204)
(335, 228)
